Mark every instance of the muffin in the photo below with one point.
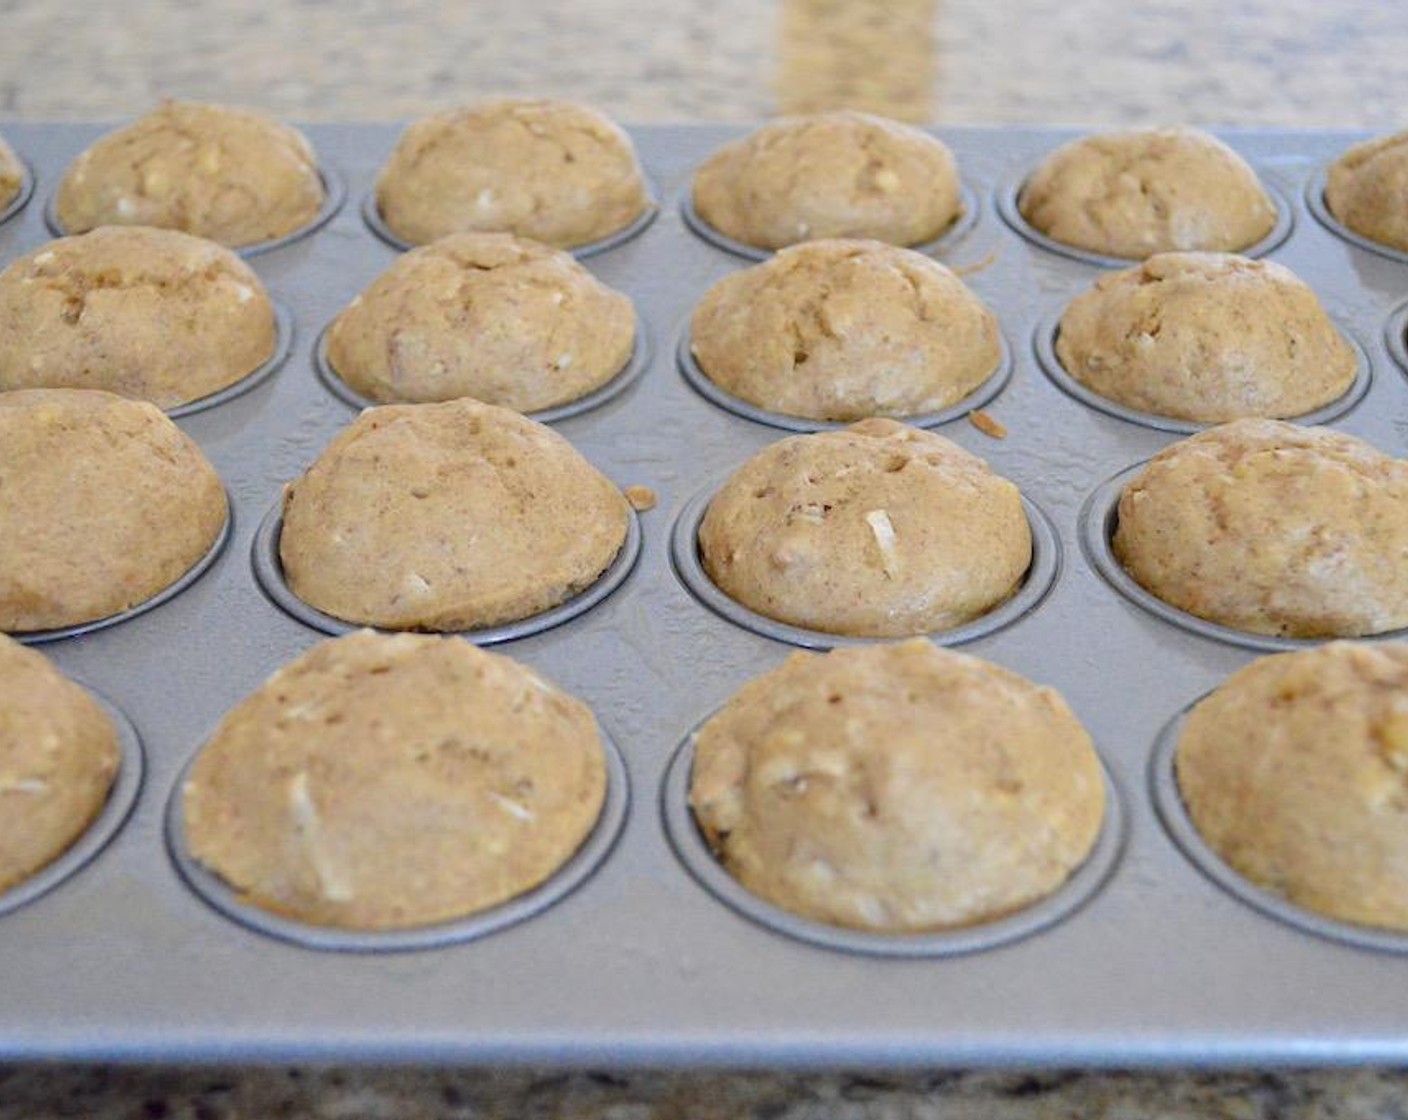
(841, 330)
(115, 501)
(1274, 529)
(1134, 193)
(1367, 190)
(150, 314)
(58, 759)
(484, 315)
(451, 516)
(1206, 337)
(877, 530)
(235, 176)
(897, 788)
(11, 175)
(382, 782)
(840, 174)
(1293, 772)
(555, 171)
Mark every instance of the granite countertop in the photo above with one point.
(1298, 63)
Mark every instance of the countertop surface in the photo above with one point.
(1291, 63)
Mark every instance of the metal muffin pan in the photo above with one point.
(642, 964)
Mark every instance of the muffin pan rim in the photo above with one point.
(571, 875)
(1042, 575)
(269, 576)
(1048, 327)
(189, 577)
(102, 829)
(956, 231)
(28, 181)
(371, 217)
(620, 382)
(1315, 202)
(983, 394)
(1099, 516)
(1178, 824)
(1079, 888)
(334, 195)
(1005, 198)
(1396, 335)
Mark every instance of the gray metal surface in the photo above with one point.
(641, 964)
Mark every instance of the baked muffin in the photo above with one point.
(235, 176)
(382, 782)
(879, 530)
(841, 330)
(484, 315)
(58, 759)
(897, 788)
(1206, 337)
(840, 174)
(555, 171)
(150, 314)
(11, 174)
(451, 516)
(1130, 194)
(1272, 528)
(1367, 189)
(1293, 769)
(115, 501)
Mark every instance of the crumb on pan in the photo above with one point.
(977, 266)
(987, 425)
(641, 498)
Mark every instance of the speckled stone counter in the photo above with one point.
(1095, 62)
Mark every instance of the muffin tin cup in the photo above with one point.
(627, 376)
(334, 194)
(283, 345)
(127, 784)
(1316, 204)
(221, 897)
(1396, 335)
(1173, 813)
(269, 571)
(1006, 201)
(1099, 518)
(693, 851)
(193, 573)
(371, 214)
(957, 230)
(982, 396)
(1036, 584)
(1044, 346)
(21, 199)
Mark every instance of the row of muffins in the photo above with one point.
(563, 174)
(876, 530)
(395, 782)
(833, 330)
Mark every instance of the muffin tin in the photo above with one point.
(646, 955)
